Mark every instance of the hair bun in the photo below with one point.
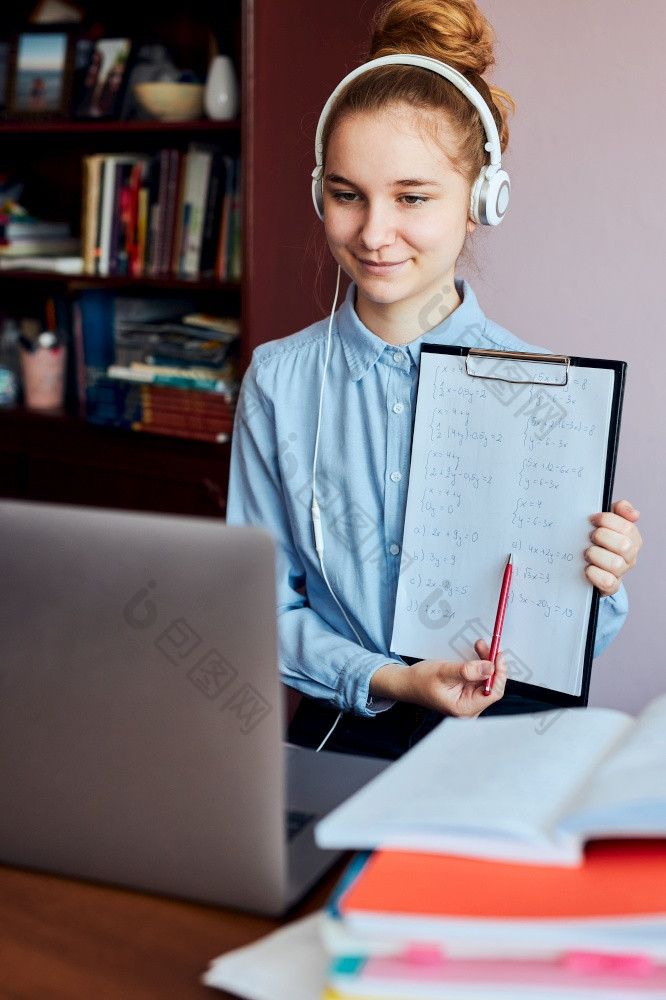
(454, 31)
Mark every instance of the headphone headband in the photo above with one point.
(490, 192)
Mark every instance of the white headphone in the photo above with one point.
(489, 197)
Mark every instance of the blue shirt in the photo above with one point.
(362, 476)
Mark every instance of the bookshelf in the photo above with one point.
(288, 59)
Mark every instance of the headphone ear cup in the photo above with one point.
(474, 197)
(317, 192)
(489, 197)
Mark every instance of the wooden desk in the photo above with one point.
(66, 940)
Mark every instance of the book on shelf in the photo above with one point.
(168, 347)
(115, 169)
(95, 308)
(213, 215)
(153, 344)
(141, 367)
(23, 235)
(138, 340)
(122, 404)
(234, 269)
(227, 260)
(13, 228)
(211, 418)
(120, 241)
(214, 437)
(131, 209)
(182, 379)
(55, 265)
(529, 788)
(170, 210)
(224, 326)
(41, 246)
(91, 179)
(139, 220)
(159, 191)
(170, 214)
(191, 401)
(198, 162)
(183, 368)
(213, 422)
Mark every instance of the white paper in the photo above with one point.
(502, 468)
(289, 964)
(493, 788)
(628, 793)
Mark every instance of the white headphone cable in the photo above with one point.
(325, 739)
(316, 515)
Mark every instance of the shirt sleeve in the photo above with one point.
(612, 613)
(314, 658)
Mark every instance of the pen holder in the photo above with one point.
(43, 368)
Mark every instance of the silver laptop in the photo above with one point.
(141, 715)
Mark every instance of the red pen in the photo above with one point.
(499, 620)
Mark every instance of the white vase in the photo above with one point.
(221, 97)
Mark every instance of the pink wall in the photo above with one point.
(578, 264)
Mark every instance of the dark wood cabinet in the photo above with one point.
(66, 460)
(289, 55)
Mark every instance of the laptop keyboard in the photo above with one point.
(296, 820)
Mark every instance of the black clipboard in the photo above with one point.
(547, 381)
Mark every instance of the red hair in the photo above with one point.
(453, 31)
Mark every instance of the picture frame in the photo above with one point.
(40, 73)
(101, 77)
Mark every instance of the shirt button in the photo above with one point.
(398, 407)
(396, 476)
(398, 356)
(394, 549)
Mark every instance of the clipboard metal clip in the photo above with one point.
(518, 367)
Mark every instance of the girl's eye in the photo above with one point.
(351, 197)
(415, 199)
(344, 197)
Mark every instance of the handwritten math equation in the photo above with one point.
(498, 467)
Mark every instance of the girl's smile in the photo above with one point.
(381, 267)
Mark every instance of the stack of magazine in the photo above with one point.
(171, 376)
(28, 242)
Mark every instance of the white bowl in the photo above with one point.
(171, 102)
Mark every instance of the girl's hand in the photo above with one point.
(448, 687)
(615, 544)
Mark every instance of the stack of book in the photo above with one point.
(410, 925)
(156, 373)
(26, 238)
(507, 861)
(173, 214)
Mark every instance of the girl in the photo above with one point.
(322, 437)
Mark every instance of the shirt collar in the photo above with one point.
(362, 348)
(465, 327)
